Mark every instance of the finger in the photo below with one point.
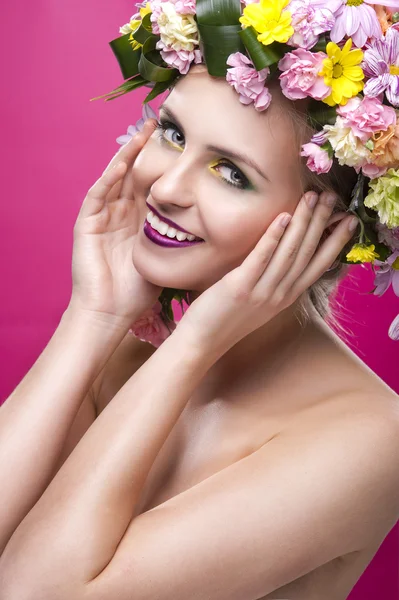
(325, 256)
(126, 190)
(254, 265)
(126, 151)
(97, 195)
(287, 250)
(318, 224)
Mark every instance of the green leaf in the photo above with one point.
(219, 26)
(357, 201)
(126, 87)
(150, 63)
(262, 56)
(320, 114)
(127, 58)
(218, 43)
(159, 87)
(144, 31)
(321, 44)
(218, 12)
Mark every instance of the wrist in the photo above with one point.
(105, 322)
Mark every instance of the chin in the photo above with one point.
(154, 272)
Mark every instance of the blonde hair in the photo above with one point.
(321, 296)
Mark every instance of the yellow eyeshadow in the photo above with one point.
(212, 166)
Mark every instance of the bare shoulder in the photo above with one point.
(128, 357)
(361, 429)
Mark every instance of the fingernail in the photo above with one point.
(285, 220)
(353, 223)
(331, 199)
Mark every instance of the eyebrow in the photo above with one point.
(218, 149)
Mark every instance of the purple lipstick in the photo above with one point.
(164, 240)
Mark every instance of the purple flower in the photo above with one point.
(387, 274)
(359, 22)
(248, 82)
(320, 137)
(381, 67)
(148, 113)
(388, 236)
(310, 18)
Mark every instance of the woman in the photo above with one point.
(252, 455)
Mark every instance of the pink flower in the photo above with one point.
(366, 116)
(310, 18)
(318, 158)
(358, 21)
(180, 59)
(373, 171)
(248, 82)
(300, 77)
(151, 327)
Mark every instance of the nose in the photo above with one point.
(176, 185)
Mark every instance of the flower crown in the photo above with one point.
(342, 54)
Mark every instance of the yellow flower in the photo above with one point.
(134, 25)
(269, 19)
(341, 72)
(362, 253)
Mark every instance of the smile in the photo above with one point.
(162, 234)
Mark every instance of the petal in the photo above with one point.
(392, 42)
(337, 33)
(352, 20)
(371, 22)
(374, 87)
(123, 139)
(392, 91)
(395, 283)
(148, 112)
(393, 331)
(375, 64)
(359, 37)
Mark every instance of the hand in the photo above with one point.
(283, 264)
(105, 281)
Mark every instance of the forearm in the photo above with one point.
(36, 418)
(75, 528)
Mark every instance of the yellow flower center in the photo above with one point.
(337, 71)
(394, 70)
(354, 2)
(395, 264)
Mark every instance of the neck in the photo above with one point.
(264, 349)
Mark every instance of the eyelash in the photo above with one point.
(163, 126)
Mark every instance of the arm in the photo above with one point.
(80, 540)
(37, 416)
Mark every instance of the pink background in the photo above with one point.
(55, 144)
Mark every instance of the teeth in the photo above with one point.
(164, 229)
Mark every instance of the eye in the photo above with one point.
(170, 133)
(232, 175)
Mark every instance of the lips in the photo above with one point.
(170, 222)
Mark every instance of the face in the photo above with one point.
(187, 173)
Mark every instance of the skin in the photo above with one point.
(86, 511)
(177, 177)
